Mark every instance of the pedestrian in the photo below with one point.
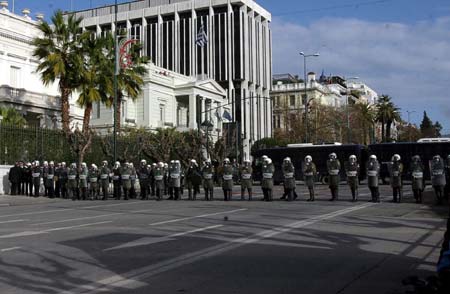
(289, 178)
(143, 174)
(438, 180)
(268, 170)
(208, 180)
(373, 173)
(83, 184)
(126, 180)
(37, 176)
(93, 182)
(73, 182)
(159, 180)
(14, 177)
(246, 174)
(334, 167)
(395, 168)
(174, 179)
(416, 171)
(352, 170)
(117, 172)
(105, 180)
(309, 176)
(227, 180)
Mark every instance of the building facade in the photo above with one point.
(237, 54)
(20, 85)
(169, 100)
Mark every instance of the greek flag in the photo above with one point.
(202, 38)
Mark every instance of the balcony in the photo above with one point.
(10, 95)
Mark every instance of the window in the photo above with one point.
(304, 97)
(96, 110)
(277, 101)
(162, 113)
(292, 100)
(15, 79)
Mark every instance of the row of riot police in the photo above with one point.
(440, 173)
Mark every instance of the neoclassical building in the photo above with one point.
(237, 54)
(20, 85)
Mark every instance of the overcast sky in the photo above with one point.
(398, 47)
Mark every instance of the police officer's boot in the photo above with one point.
(284, 194)
(125, 194)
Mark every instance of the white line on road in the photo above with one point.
(153, 240)
(36, 212)
(14, 221)
(107, 205)
(33, 233)
(127, 280)
(10, 249)
(76, 219)
(198, 216)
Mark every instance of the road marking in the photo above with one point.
(76, 219)
(10, 249)
(14, 221)
(153, 240)
(128, 279)
(107, 205)
(38, 212)
(198, 216)
(33, 233)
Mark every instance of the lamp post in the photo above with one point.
(409, 123)
(305, 56)
(207, 126)
(348, 95)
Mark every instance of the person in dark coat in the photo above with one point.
(14, 177)
(193, 179)
(116, 171)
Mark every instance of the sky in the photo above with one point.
(398, 47)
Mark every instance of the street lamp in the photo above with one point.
(207, 126)
(305, 56)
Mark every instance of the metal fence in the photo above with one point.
(30, 143)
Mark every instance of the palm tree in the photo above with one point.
(383, 110)
(366, 115)
(95, 85)
(59, 54)
(130, 80)
(393, 116)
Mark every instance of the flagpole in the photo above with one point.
(115, 83)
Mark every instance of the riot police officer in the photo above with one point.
(73, 182)
(57, 180)
(48, 172)
(37, 175)
(166, 178)
(309, 173)
(416, 171)
(93, 182)
(208, 180)
(334, 167)
(104, 179)
(125, 176)
(395, 170)
(174, 179)
(62, 179)
(438, 177)
(246, 174)
(152, 179)
(133, 176)
(193, 180)
(143, 174)
(352, 170)
(267, 181)
(83, 183)
(227, 179)
(373, 173)
(158, 173)
(116, 176)
(29, 179)
(289, 178)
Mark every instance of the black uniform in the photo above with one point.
(15, 174)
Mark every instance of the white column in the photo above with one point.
(193, 111)
(202, 110)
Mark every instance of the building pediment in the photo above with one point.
(211, 85)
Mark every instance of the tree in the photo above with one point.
(387, 114)
(426, 127)
(12, 116)
(130, 79)
(60, 60)
(365, 115)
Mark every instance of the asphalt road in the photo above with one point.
(59, 246)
